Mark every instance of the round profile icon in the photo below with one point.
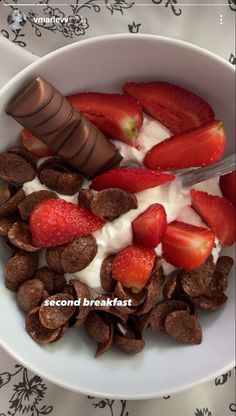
(16, 19)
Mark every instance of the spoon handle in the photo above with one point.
(220, 168)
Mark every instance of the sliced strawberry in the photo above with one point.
(130, 179)
(150, 226)
(133, 266)
(119, 116)
(197, 147)
(187, 246)
(175, 107)
(34, 145)
(218, 213)
(228, 186)
(54, 222)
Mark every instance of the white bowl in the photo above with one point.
(164, 366)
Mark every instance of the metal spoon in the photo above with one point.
(226, 165)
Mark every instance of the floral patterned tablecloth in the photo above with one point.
(26, 394)
(41, 27)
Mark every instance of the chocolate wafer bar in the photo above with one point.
(42, 109)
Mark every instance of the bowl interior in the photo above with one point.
(103, 64)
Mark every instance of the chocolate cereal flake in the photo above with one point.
(127, 329)
(45, 294)
(172, 286)
(158, 271)
(195, 282)
(217, 286)
(26, 154)
(124, 310)
(15, 170)
(107, 282)
(85, 198)
(219, 281)
(29, 203)
(186, 299)
(59, 283)
(13, 286)
(54, 316)
(59, 176)
(46, 276)
(62, 182)
(21, 266)
(10, 206)
(129, 345)
(97, 328)
(69, 183)
(106, 345)
(160, 312)
(183, 327)
(37, 331)
(152, 295)
(140, 323)
(69, 290)
(20, 236)
(81, 292)
(5, 226)
(53, 258)
(110, 203)
(210, 304)
(5, 193)
(224, 264)
(30, 294)
(63, 329)
(55, 163)
(120, 312)
(77, 255)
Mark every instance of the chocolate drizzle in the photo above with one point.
(44, 111)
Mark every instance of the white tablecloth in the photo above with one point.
(210, 24)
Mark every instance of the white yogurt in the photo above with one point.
(116, 235)
(151, 133)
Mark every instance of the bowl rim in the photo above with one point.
(3, 90)
(70, 387)
(117, 36)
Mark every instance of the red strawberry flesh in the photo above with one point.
(150, 226)
(119, 116)
(133, 266)
(174, 106)
(218, 213)
(130, 179)
(56, 222)
(197, 147)
(228, 186)
(186, 246)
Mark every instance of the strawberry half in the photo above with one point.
(118, 116)
(150, 226)
(175, 107)
(34, 145)
(133, 266)
(228, 186)
(187, 246)
(54, 222)
(218, 213)
(130, 179)
(197, 147)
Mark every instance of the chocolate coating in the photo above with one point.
(44, 111)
